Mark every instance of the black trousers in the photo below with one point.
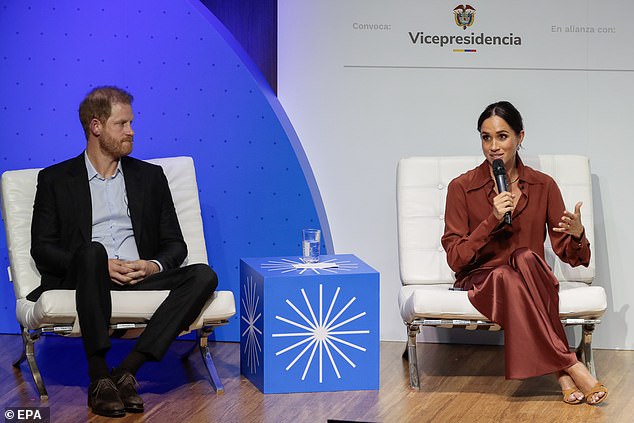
(190, 287)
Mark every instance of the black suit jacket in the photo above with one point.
(62, 218)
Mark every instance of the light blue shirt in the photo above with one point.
(111, 224)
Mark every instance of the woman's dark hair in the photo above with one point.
(506, 111)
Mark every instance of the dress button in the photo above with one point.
(440, 249)
(440, 186)
(441, 217)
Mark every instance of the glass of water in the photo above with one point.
(310, 245)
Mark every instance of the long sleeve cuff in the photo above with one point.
(158, 263)
(578, 250)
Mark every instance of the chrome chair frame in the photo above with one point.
(583, 350)
(30, 337)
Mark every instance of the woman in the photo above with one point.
(502, 266)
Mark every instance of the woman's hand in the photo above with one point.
(503, 203)
(571, 222)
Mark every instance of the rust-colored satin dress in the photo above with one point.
(503, 266)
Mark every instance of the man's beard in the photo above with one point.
(114, 148)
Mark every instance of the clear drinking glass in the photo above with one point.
(310, 245)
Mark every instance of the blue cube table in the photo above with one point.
(309, 328)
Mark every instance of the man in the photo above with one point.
(104, 221)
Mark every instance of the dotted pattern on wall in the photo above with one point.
(193, 96)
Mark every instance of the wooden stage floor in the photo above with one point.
(460, 383)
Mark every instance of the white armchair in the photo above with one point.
(55, 312)
(425, 298)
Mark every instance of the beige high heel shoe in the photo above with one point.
(599, 387)
(568, 392)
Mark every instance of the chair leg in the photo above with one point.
(22, 357)
(585, 348)
(209, 363)
(28, 354)
(412, 358)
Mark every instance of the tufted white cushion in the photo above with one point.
(58, 306)
(421, 192)
(576, 300)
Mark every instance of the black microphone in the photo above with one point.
(500, 178)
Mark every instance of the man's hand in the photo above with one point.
(130, 272)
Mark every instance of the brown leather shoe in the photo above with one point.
(127, 387)
(103, 398)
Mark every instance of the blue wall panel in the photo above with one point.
(196, 93)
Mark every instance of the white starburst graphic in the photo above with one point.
(321, 334)
(332, 265)
(252, 345)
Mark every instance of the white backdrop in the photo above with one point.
(362, 94)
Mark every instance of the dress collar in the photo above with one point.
(483, 174)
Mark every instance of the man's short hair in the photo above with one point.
(98, 104)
